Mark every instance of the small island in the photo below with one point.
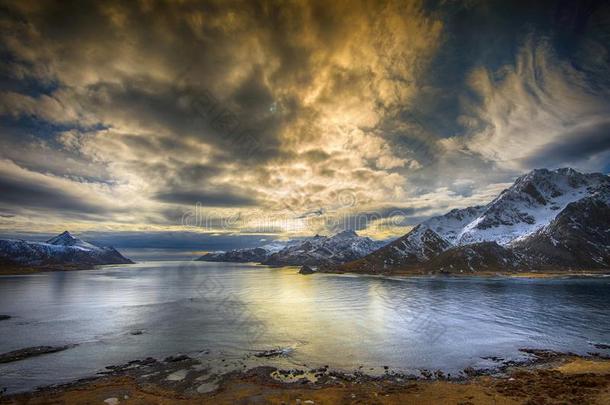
(306, 270)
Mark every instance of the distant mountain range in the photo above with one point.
(555, 220)
(551, 220)
(340, 248)
(62, 251)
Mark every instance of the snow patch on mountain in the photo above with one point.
(451, 225)
(531, 203)
(339, 248)
(66, 239)
(421, 243)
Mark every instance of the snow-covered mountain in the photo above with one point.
(66, 239)
(340, 248)
(451, 225)
(62, 250)
(256, 255)
(418, 246)
(578, 237)
(531, 203)
(247, 255)
(546, 218)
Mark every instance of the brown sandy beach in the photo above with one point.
(551, 378)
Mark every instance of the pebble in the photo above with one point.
(112, 401)
(207, 387)
(175, 359)
(177, 375)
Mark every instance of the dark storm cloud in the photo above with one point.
(263, 104)
(194, 241)
(490, 35)
(194, 98)
(195, 69)
(181, 240)
(194, 112)
(395, 216)
(20, 142)
(20, 192)
(206, 198)
(193, 173)
(577, 145)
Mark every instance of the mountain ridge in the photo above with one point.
(318, 250)
(63, 251)
(546, 219)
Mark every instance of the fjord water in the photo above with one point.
(343, 321)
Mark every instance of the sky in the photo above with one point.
(218, 124)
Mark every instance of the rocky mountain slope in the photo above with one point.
(255, 255)
(578, 237)
(62, 250)
(340, 248)
(547, 219)
(247, 255)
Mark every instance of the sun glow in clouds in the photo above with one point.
(291, 119)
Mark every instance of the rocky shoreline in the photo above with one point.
(15, 270)
(28, 352)
(546, 377)
(421, 272)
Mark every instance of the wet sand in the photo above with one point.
(549, 378)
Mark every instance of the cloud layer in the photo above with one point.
(288, 118)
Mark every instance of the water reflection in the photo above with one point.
(343, 321)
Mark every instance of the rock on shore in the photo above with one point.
(21, 354)
(305, 270)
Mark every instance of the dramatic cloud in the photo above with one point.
(530, 106)
(207, 198)
(46, 192)
(288, 118)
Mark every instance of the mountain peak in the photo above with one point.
(64, 238)
(63, 249)
(340, 248)
(568, 171)
(547, 217)
(538, 174)
(348, 233)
